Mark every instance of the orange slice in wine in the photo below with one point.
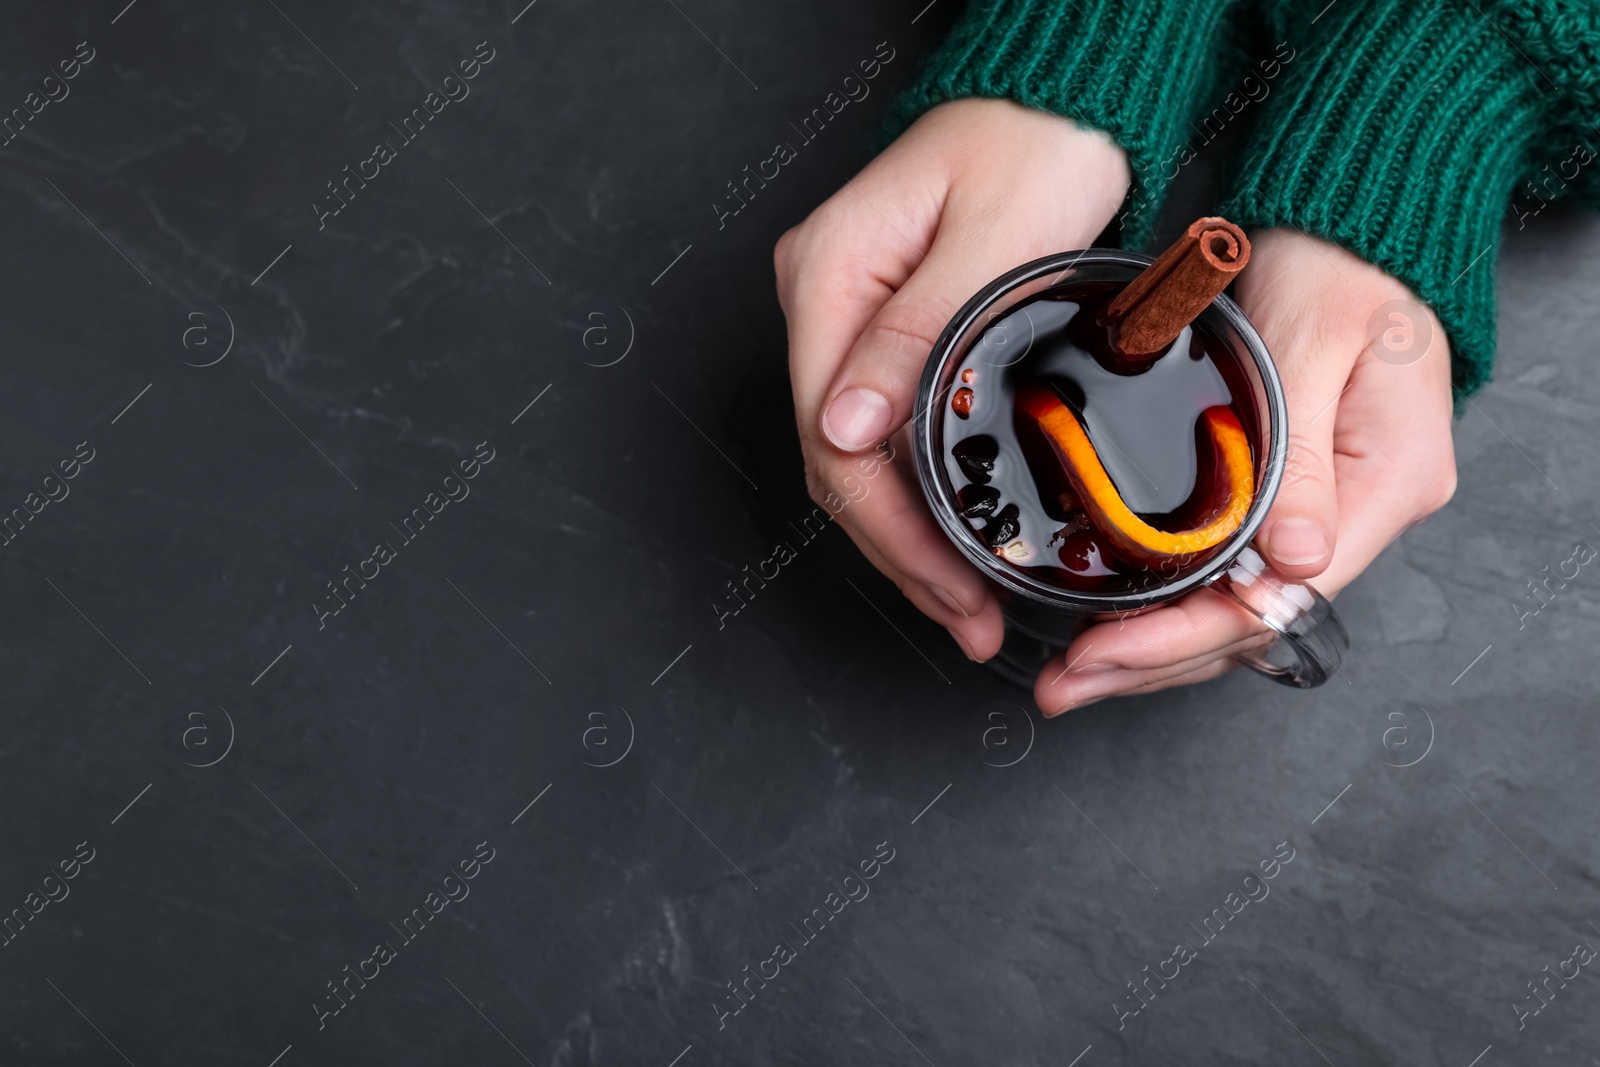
(1103, 504)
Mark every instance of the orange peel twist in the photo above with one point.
(1104, 505)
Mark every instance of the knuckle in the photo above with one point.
(1432, 474)
(817, 487)
(1441, 487)
(820, 256)
(786, 264)
(783, 253)
(905, 330)
(1303, 469)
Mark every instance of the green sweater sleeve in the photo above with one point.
(1403, 129)
(1135, 69)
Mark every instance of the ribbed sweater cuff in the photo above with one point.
(1135, 69)
(1399, 133)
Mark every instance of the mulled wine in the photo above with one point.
(1089, 471)
(1100, 434)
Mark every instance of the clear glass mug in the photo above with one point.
(1041, 618)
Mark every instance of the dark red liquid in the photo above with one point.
(1145, 427)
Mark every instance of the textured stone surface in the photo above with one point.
(560, 617)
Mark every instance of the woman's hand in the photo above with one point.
(1366, 371)
(870, 279)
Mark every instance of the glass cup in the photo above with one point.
(1042, 618)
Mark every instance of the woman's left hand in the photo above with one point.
(1366, 373)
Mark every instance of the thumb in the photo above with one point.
(874, 391)
(1296, 294)
(1299, 533)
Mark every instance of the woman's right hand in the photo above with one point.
(1366, 377)
(869, 280)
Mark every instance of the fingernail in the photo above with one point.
(857, 418)
(1104, 680)
(1296, 542)
(1094, 668)
(950, 602)
(966, 648)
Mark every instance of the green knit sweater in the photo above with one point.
(1400, 129)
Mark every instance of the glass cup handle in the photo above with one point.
(1311, 639)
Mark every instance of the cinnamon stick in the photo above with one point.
(1170, 293)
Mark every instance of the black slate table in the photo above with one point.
(516, 791)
